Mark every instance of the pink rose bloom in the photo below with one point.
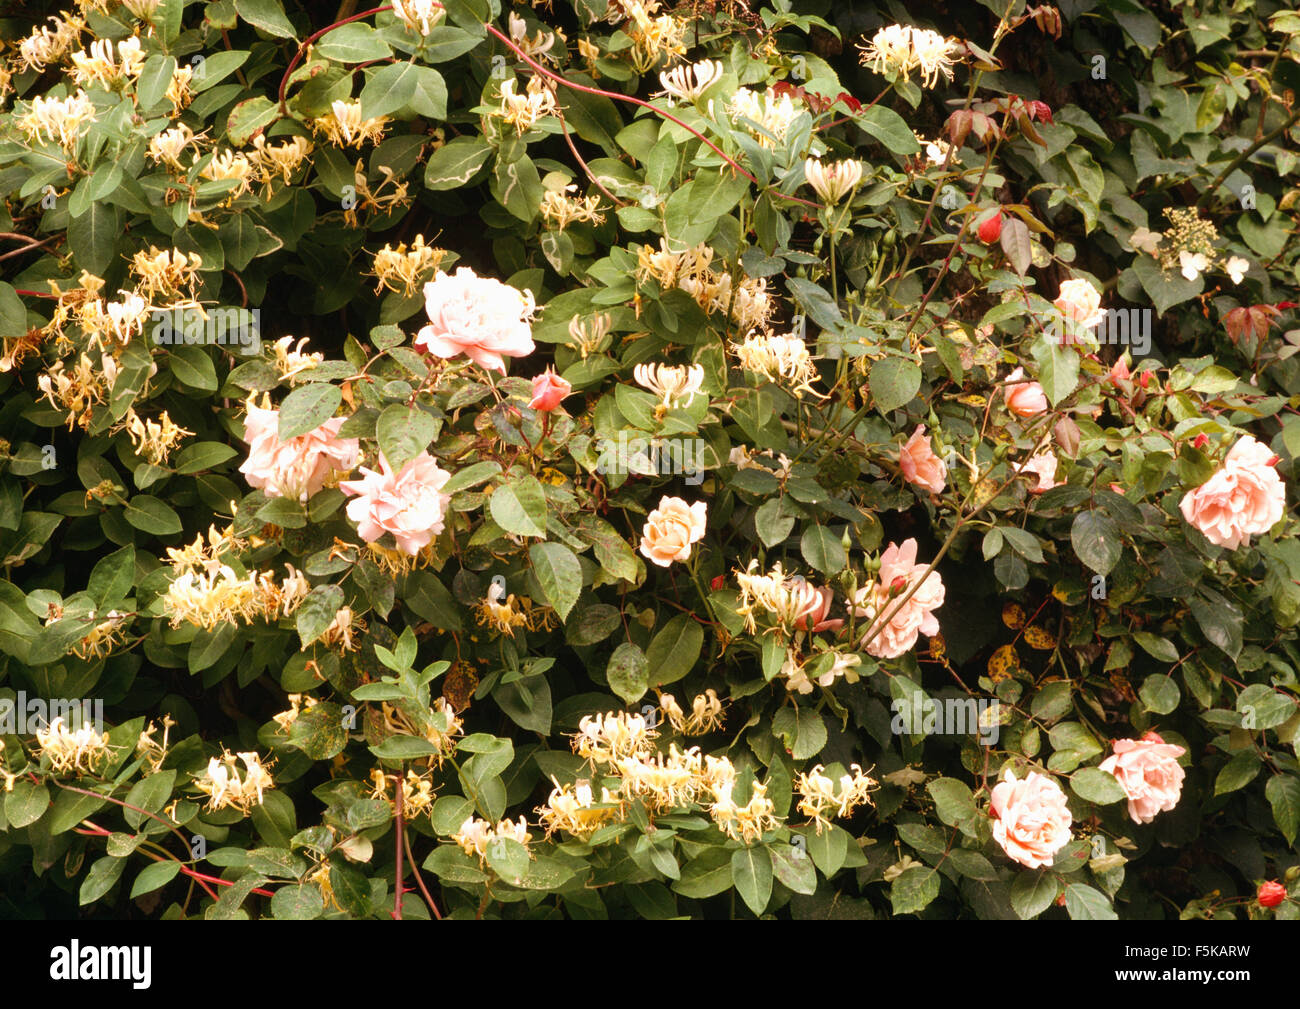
(548, 390)
(899, 571)
(299, 467)
(1119, 371)
(1080, 302)
(1148, 770)
(920, 465)
(814, 608)
(479, 317)
(1043, 465)
(1244, 498)
(1024, 399)
(1031, 818)
(409, 504)
(671, 529)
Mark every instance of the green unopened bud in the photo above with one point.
(1000, 452)
(1292, 874)
(845, 541)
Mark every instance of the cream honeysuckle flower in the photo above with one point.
(674, 385)
(522, 111)
(345, 126)
(1192, 264)
(168, 145)
(781, 359)
(534, 46)
(688, 82)
(79, 751)
(418, 15)
(834, 180)
(225, 787)
(56, 118)
(774, 113)
(1236, 268)
(900, 49)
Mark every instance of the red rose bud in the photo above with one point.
(717, 582)
(991, 229)
(1282, 306)
(1144, 378)
(898, 585)
(1273, 460)
(1200, 441)
(1117, 489)
(1271, 894)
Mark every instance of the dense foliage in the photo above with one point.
(633, 460)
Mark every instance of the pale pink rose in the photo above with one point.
(1031, 820)
(299, 467)
(919, 463)
(1080, 302)
(671, 529)
(548, 391)
(1119, 371)
(1043, 465)
(409, 504)
(815, 608)
(479, 317)
(1148, 770)
(1024, 399)
(1244, 498)
(899, 571)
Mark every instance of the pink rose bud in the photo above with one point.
(897, 585)
(1271, 894)
(718, 582)
(548, 391)
(1144, 378)
(1200, 441)
(1116, 488)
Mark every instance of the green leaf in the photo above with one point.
(93, 237)
(1156, 646)
(388, 89)
(559, 574)
(154, 876)
(751, 871)
(430, 97)
(1096, 785)
(1283, 793)
(403, 748)
(802, 729)
(1096, 542)
(1237, 773)
(1015, 243)
(1083, 903)
(26, 803)
(1159, 693)
(1220, 621)
(628, 672)
(316, 612)
(104, 873)
(193, 367)
(319, 732)
(456, 162)
(249, 118)
(150, 515)
(113, 576)
(954, 803)
(519, 507)
(1165, 290)
(508, 859)
(1262, 707)
(352, 43)
(1058, 370)
(268, 15)
(894, 381)
(517, 187)
(404, 432)
(675, 649)
(307, 408)
(707, 875)
(471, 476)
(149, 794)
(301, 902)
(823, 550)
(913, 891)
(888, 128)
(1032, 893)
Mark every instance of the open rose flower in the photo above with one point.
(899, 571)
(1148, 771)
(479, 317)
(671, 529)
(409, 504)
(1024, 399)
(299, 467)
(1031, 820)
(1244, 498)
(919, 463)
(549, 391)
(1043, 466)
(1080, 303)
(815, 608)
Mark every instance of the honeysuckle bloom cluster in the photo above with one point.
(820, 795)
(524, 111)
(170, 273)
(822, 668)
(210, 599)
(409, 505)
(671, 530)
(561, 209)
(897, 50)
(418, 15)
(278, 160)
(301, 466)
(676, 386)
(97, 64)
(774, 113)
(79, 751)
(1244, 498)
(49, 45)
(150, 749)
(666, 781)
(503, 613)
(226, 788)
(936, 151)
(654, 39)
(56, 119)
(417, 792)
(401, 269)
(154, 440)
(688, 82)
(604, 739)
(168, 146)
(1148, 771)
(892, 629)
(76, 389)
(479, 317)
(535, 45)
(230, 166)
(106, 634)
(399, 723)
(345, 125)
(748, 823)
(705, 715)
(475, 836)
(781, 359)
(834, 180)
(1031, 818)
(789, 601)
(575, 810)
(291, 360)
